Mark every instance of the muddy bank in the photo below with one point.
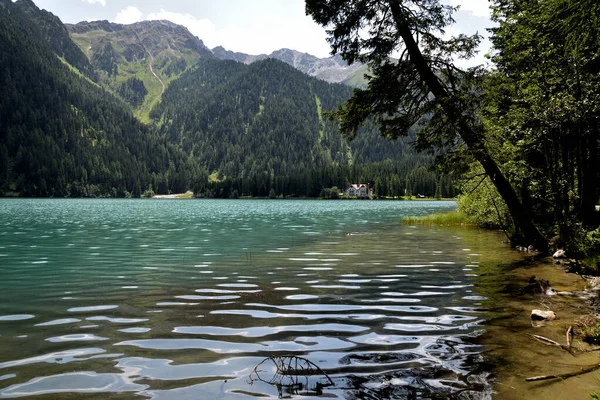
(511, 348)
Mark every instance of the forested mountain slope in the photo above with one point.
(260, 128)
(244, 119)
(61, 134)
(53, 31)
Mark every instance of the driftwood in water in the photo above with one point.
(551, 342)
(569, 336)
(564, 376)
(292, 374)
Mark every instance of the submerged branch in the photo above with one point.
(551, 342)
(564, 376)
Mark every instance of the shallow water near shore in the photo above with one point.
(509, 342)
(175, 299)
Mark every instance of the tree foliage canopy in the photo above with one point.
(397, 96)
(542, 108)
(423, 86)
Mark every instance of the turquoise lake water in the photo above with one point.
(178, 299)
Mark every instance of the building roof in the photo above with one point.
(358, 185)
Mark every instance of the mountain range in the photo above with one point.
(156, 52)
(332, 69)
(104, 109)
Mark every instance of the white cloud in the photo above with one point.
(101, 2)
(479, 8)
(263, 34)
(273, 32)
(128, 15)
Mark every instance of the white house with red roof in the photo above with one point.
(359, 190)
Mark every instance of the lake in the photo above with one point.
(178, 299)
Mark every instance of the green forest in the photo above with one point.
(62, 134)
(73, 127)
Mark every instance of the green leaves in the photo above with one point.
(397, 96)
(542, 105)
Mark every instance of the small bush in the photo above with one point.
(589, 330)
(333, 193)
(483, 205)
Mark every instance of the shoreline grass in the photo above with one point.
(452, 218)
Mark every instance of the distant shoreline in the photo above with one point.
(190, 195)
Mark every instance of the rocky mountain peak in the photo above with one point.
(88, 26)
(331, 69)
(158, 36)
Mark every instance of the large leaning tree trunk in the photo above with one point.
(414, 80)
(471, 138)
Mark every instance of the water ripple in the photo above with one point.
(59, 357)
(199, 297)
(61, 321)
(346, 307)
(118, 320)
(16, 317)
(266, 330)
(73, 382)
(77, 337)
(92, 308)
(304, 344)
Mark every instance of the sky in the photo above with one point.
(248, 26)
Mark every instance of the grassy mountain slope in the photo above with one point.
(357, 77)
(138, 61)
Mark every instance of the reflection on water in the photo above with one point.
(183, 299)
